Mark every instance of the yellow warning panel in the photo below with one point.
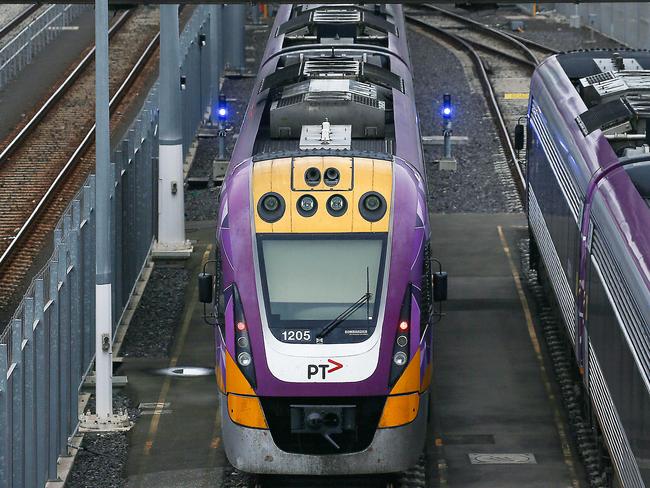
(516, 96)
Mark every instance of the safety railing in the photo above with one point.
(48, 347)
(19, 51)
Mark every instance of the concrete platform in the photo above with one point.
(177, 443)
(492, 394)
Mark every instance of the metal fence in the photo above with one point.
(18, 52)
(627, 22)
(48, 348)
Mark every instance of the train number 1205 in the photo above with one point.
(296, 335)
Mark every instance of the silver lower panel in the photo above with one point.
(391, 450)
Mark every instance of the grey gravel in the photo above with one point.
(475, 186)
(152, 328)
(101, 459)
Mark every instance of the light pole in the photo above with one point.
(447, 162)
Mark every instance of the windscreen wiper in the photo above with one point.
(344, 315)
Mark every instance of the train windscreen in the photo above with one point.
(322, 288)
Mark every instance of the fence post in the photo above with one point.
(64, 348)
(18, 403)
(76, 310)
(52, 313)
(42, 373)
(30, 382)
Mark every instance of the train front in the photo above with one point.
(323, 358)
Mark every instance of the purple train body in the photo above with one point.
(324, 289)
(588, 209)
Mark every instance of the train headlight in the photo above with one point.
(400, 358)
(243, 352)
(401, 353)
(244, 359)
(332, 176)
(312, 176)
(307, 205)
(270, 207)
(372, 206)
(372, 203)
(337, 205)
(271, 203)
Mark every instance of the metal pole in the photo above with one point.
(239, 38)
(216, 47)
(255, 13)
(171, 211)
(235, 22)
(447, 138)
(103, 296)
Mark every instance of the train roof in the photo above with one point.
(609, 103)
(596, 108)
(333, 78)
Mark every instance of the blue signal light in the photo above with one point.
(447, 108)
(222, 108)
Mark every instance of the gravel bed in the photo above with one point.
(152, 328)
(101, 459)
(201, 204)
(548, 27)
(479, 184)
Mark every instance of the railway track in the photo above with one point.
(18, 19)
(45, 163)
(503, 64)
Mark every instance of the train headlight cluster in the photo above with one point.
(271, 207)
(401, 351)
(243, 351)
(372, 206)
(244, 359)
(312, 176)
(400, 358)
(337, 205)
(307, 205)
(271, 203)
(332, 177)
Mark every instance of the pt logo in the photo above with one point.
(323, 369)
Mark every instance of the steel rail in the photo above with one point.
(76, 156)
(496, 51)
(60, 91)
(485, 28)
(534, 44)
(460, 43)
(13, 23)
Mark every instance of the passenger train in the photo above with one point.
(588, 200)
(324, 290)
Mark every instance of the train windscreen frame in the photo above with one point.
(311, 280)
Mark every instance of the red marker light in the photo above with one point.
(241, 326)
(403, 325)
